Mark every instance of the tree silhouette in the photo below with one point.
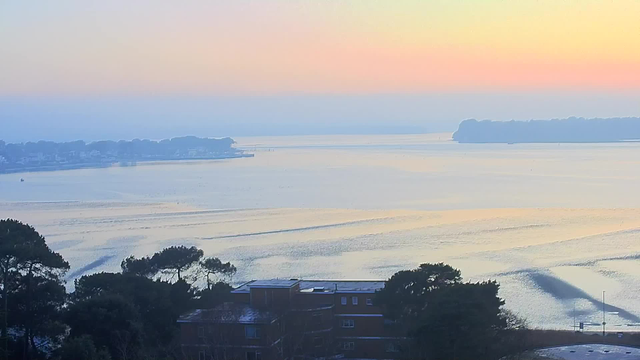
(25, 260)
(212, 266)
(175, 260)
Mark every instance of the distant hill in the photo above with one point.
(48, 155)
(571, 130)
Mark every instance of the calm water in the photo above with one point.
(556, 224)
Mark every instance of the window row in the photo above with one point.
(354, 300)
(392, 347)
(249, 355)
(250, 332)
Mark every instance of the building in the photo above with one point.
(293, 319)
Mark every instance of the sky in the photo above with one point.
(219, 66)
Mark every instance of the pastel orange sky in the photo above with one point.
(151, 47)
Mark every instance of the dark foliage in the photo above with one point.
(446, 318)
(407, 292)
(212, 267)
(111, 321)
(175, 260)
(126, 315)
(81, 348)
(31, 277)
(139, 267)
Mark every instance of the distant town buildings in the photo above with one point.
(47, 155)
(293, 319)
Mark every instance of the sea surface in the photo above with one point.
(555, 224)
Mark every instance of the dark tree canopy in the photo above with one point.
(406, 293)
(156, 303)
(175, 260)
(128, 315)
(32, 273)
(462, 322)
(140, 267)
(111, 320)
(213, 266)
(82, 348)
(446, 318)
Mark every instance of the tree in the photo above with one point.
(175, 260)
(152, 299)
(111, 321)
(406, 293)
(462, 322)
(42, 310)
(140, 267)
(212, 266)
(82, 348)
(213, 296)
(25, 256)
(447, 319)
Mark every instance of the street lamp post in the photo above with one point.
(604, 322)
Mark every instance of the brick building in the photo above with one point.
(293, 319)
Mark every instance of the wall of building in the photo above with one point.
(313, 325)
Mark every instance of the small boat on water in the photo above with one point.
(21, 180)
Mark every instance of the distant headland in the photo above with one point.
(571, 130)
(50, 156)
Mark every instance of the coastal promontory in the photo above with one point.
(571, 130)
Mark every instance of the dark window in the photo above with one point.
(348, 323)
(369, 302)
(202, 356)
(318, 341)
(316, 319)
(252, 332)
(343, 300)
(221, 354)
(254, 355)
(349, 345)
(393, 347)
(354, 300)
(200, 331)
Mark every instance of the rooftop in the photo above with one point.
(308, 286)
(229, 313)
(274, 283)
(591, 351)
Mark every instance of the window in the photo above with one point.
(220, 354)
(254, 355)
(200, 331)
(393, 347)
(369, 302)
(348, 323)
(350, 345)
(390, 322)
(316, 319)
(343, 300)
(252, 332)
(318, 341)
(202, 355)
(354, 300)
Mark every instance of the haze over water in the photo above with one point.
(555, 224)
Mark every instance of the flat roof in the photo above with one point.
(329, 286)
(274, 283)
(229, 313)
(591, 351)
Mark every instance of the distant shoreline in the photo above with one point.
(123, 163)
(51, 156)
(571, 130)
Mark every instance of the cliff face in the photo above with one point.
(576, 130)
